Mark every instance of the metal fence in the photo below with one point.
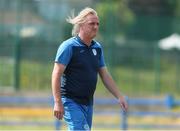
(31, 31)
(143, 70)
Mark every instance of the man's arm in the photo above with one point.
(112, 87)
(56, 76)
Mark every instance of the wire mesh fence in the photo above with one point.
(31, 31)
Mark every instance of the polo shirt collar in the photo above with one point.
(81, 42)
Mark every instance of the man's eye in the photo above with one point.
(94, 24)
(91, 23)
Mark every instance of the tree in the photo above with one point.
(116, 17)
(154, 19)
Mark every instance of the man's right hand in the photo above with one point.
(58, 110)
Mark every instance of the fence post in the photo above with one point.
(169, 101)
(124, 115)
(17, 65)
(57, 124)
(17, 46)
(124, 125)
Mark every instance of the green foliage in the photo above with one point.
(36, 76)
(114, 13)
(154, 19)
(6, 72)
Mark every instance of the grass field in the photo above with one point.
(133, 81)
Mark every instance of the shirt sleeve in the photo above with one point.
(64, 54)
(102, 61)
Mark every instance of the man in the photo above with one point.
(78, 62)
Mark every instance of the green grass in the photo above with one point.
(6, 72)
(36, 76)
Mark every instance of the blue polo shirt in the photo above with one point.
(82, 62)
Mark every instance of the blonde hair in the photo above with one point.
(79, 19)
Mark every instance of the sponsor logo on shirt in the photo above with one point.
(81, 51)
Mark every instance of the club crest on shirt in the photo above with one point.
(94, 52)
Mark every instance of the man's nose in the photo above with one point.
(96, 26)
